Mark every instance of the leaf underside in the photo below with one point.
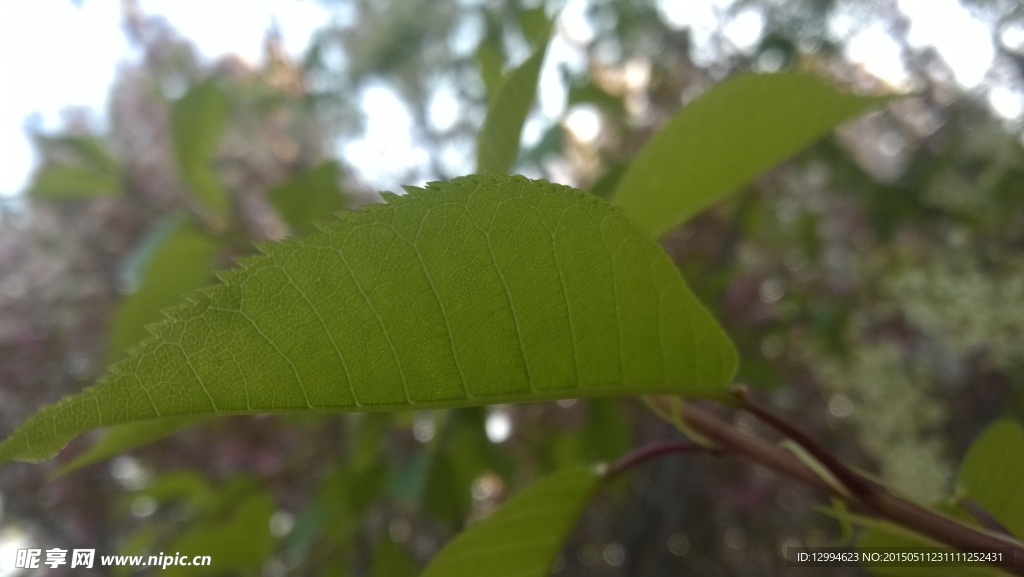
(485, 289)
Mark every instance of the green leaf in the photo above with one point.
(94, 171)
(123, 438)
(498, 141)
(90, 151)
(490, 58)
(727, 137)
(535, 25)
(314, 195)
(992, 474)
(174, 260)
(197, 124)
(882, 535)
(486, 289)
(73, 182)
(241, 544)
(392, 560)
(523, 537)
(188, 486)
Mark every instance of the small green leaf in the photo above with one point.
(522, 538)
(90, 151)
(486, 289)
(314, 195)
(73, 182)
(490, 58)
(197, 124)
(725, 138)
(93, 172)
(993, 474)
(123, 438)
(498, 141)
(188, 487)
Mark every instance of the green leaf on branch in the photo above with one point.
(93, 170)
(490, 58)
(123, 438)
(523, 537)
(498, 141)
(535, 25)
(309, 197)
(992, 474)
(73, 182)
(197, 124)
(89, 151)
(727, 137)
(485, 289)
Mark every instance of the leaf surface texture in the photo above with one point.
(485, 289)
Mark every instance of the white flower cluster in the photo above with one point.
(896, 413)
(965, 308)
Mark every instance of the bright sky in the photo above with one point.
(54, 54)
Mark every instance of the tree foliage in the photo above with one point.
(854, 280)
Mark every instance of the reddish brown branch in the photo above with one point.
(653, 451)
(873, 497)
(853, 482)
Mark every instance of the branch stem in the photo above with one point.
(865, 493)
(856, 484)
(653, 451)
